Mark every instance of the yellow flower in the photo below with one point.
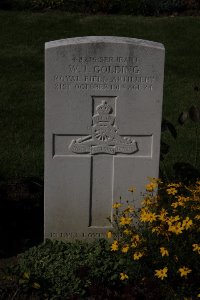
(198, 296)
(147, 201)
(184, 271)
(164, 251)
(187, 223)
(132, 189)
(116, 205)
(147, 216)
(125, 248)
(123, 276)
(176, 228)
(196, 247)
(172, 220)
(109, 234)
(137, 255)
(151, 186)
(122, 221)
(183, 199)
(152, 217)
(197, 217)
(195, 206)
(162, 273)
(125, 221)
(129, 209)
(156, 229)
(172, 191)
(163, 214)
(127, 231)
(135, 238)
(154, 180)
(115, 246)
(176, 204)
(134, 245)
(176, 185)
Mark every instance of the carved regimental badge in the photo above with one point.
(104, 137)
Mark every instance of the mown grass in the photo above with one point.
(22, 38)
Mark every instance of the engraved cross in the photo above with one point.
(104, 145)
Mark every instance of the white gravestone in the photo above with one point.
(102, 129)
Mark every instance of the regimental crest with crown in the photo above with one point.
(104, 137)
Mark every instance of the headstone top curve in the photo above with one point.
(103, 39)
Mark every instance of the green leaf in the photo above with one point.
(183, 117)
(194, 113)
(166, 125)
(36, 285)
(164, 148)
(26, 275)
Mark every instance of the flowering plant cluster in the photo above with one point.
(162, 237)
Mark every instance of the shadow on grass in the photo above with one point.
(21, 215)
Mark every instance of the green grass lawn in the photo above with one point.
(22, 38)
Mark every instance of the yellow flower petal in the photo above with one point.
(109, 234)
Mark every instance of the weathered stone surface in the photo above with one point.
(102, 129)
